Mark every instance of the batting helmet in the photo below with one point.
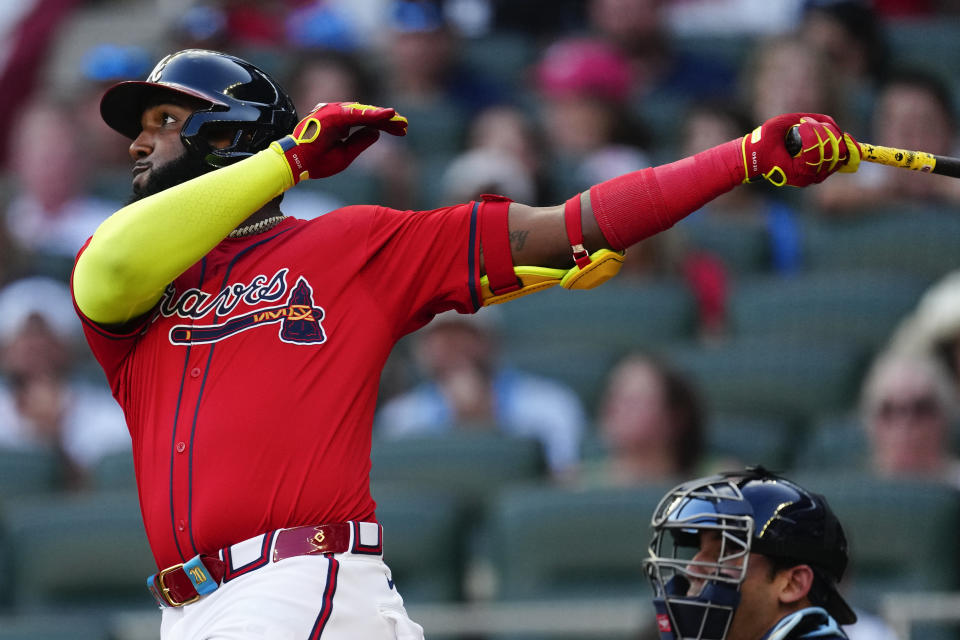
(754, 511)
(237, 94)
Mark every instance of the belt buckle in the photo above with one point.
(163, 592)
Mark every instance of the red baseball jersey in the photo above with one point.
(250, 390)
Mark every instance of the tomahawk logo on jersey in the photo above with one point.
(299, 318)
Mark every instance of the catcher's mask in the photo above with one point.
(237, 96)
(752, 511)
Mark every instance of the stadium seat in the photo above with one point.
(77, 552)
(31, 471)
(940, 39)
(833, 442)
(917, 240)
(772, 377)
(738, 440)
(742, 245)
(857, 307)
(114, 471)
(902, 533)
(621, 314)
(732, 441)
(560, 543)
(582, 366)
(46, 627)
(471, 465)
(424, 541)
(502, 56)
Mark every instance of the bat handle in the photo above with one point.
(792, 142)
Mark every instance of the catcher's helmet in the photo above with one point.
(754, 511)
(237, 95)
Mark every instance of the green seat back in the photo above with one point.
(916, 240)
(78, 551)
(902, 533)
(423, 541)
(470, 465)
(31, 471)
(559, 543)
(858, 307)
(770, 376)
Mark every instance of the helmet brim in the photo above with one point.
(122, 105)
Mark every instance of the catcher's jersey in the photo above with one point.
(250, 390)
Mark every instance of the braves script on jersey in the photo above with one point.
(249, 392)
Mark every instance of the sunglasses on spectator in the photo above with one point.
(914, 408)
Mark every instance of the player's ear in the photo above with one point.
(795, 583)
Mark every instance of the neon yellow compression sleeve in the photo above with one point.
(135, 253)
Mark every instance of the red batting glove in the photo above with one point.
(824, 149)
(320, 147)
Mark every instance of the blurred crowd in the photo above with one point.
(533, 100)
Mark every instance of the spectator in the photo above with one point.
(202, 26)
(424, 79)
(480, 171)
(319, 26)
(914, 110)
(44, 403)
(421, 68)
(11, 262)
(320, 75)
(538, 19)
(510, 130)
(851, 36)
(29, 31)
(467, 387)
(741, 18)
(50, 215)
(651, 424)
(785, 74)
(102, 66)
(933, 328)
(585, 85)
(908, 408)
(663, 78)
(640, 30)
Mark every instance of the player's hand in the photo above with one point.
(321, 144)
(823, 150)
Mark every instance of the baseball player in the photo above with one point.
(747, 555)
(245, 347)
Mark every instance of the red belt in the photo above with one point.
(187, 582)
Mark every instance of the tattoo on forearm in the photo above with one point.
(518, 239)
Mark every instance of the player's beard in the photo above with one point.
(186, 167)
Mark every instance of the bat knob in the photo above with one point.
(793, 143)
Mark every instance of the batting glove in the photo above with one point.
(823, 150)
(320, 145)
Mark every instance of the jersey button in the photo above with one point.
(181, 525)
(195, 372)
(180, 447)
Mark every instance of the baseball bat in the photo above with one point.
(890, 156)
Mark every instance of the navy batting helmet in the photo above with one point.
(237, 94)
(754, 511)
